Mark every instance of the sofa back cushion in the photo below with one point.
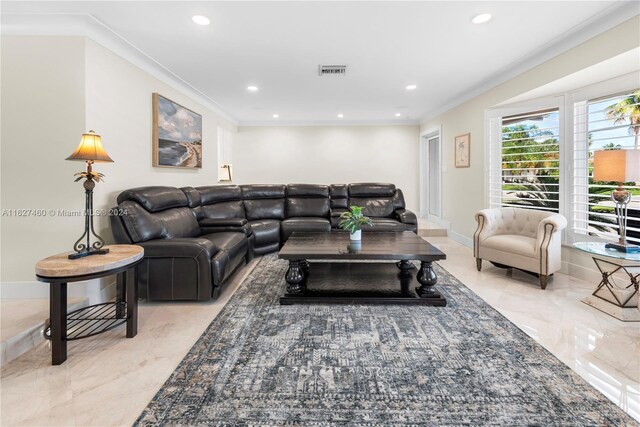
(155, 199)
(171, 223)
(374, 207)
(221, 201)
(305, 200)
(263, 201)
(339, 194)
(377, 200)
(371, 189)
(398, 200)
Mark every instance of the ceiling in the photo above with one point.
(278, 46)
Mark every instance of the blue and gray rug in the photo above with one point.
(260, 363)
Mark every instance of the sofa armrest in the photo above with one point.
(201, 249)
(405, 216)
(219, 225)
(222, 222)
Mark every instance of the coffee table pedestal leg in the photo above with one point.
(296, 276)
(428, 279)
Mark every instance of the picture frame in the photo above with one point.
(177, 135)
(462, 151)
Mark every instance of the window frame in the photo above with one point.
(493, 155)
(565, 102)
(616, 85)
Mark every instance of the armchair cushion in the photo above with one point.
(512, 243)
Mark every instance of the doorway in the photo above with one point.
(431, 176)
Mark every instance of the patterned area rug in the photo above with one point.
(260, 363)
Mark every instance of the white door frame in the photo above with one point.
(425, 137)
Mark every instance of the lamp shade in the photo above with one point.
(90, 149)
(616, 165)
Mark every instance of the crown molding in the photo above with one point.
(283, 123)
(86, 25)
(607, 19)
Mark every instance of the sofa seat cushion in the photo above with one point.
(266, 231)
(303, 224)
(384, 224)
(512, 243)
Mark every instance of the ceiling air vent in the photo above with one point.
(332, 70)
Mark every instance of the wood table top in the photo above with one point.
(61, 266)
(373, 246)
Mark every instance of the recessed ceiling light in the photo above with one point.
(200, 20)
(252, 88)
(340, 115)
(482, 18)
(275, 116)
(398, 114)
(411, 87)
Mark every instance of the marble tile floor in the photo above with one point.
(22, 322)
(108, 380)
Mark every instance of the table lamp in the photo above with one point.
(90, 150)
(619, 166)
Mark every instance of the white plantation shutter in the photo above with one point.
(495, 165)
(525, 160)
(592, 208)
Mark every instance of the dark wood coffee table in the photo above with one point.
(349, 272)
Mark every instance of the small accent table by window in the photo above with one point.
(58, 270)
(616, 296)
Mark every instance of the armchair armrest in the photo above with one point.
(486, 219)
(217, 225)
(551, 224)
(195, 247)
(548, 243)
(405, 216)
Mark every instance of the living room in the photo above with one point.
(225, 149)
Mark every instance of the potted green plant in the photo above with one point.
(353, 220)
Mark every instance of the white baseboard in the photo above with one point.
(461, 238)
(31, 290)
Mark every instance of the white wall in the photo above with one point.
(464, 189)
(329, 155)
(43, 104)
(53, 90)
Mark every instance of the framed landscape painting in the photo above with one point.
(463, 151)
(177, 135)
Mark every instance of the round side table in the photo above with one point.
(58, 270)
(616, 298)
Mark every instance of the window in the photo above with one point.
(525, 170)
(611, 123)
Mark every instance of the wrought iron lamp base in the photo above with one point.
(85, 253)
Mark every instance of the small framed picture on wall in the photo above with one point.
(463, 151)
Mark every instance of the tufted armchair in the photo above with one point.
(526, 239)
